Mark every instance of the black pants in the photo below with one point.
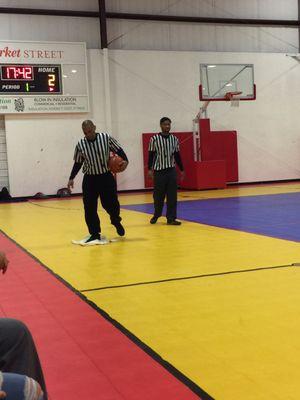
(165, 184)
(105, 186)
(18, 353)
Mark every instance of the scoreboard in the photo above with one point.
(30, 79)
(43, 77)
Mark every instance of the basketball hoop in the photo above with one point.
(234, 98)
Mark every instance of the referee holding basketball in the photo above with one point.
(92, 152)
(163, 153)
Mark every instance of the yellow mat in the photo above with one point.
(236, 335)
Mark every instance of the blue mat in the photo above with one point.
(276, 215)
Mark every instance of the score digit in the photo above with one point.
(51, 80)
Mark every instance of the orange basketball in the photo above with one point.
(116, 164)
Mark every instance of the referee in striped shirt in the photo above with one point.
(92, 152)
(163, 153)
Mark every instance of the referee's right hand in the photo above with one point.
(71, 184)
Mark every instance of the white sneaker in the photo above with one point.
(81, 240)
(95, 242)
(85, 242)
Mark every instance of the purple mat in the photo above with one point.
(274, 215)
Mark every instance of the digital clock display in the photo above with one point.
(30, 79)
(17, 72)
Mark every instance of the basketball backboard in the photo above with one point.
(217, 80)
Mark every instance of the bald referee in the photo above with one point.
(163, 153)
(92, 152)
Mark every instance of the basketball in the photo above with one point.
(116, 164)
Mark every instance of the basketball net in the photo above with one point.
(233, 97)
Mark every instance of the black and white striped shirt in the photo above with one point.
(164, 149)
(94, 154)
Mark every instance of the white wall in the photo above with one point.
(269, 9)
(146, 85)
(51, 28)
(148, 35)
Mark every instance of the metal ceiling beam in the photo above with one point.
(204, 20)
(60, 13)
(103, 24)
(153, 17)
(299, 26)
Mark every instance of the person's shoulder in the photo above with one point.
(80, 142)
(103, 135)
(155, 136)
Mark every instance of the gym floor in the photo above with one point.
(205, 310)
